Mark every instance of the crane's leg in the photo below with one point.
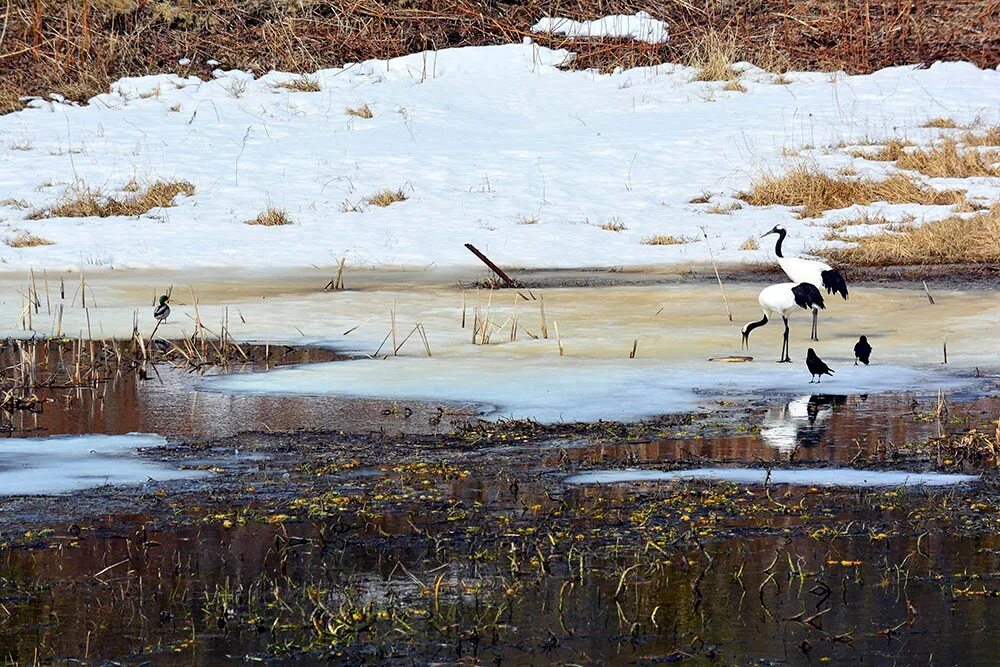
(784, 345)
(815, 331)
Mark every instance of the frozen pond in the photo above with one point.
(554, 389)
(802, 477)
(45, 466)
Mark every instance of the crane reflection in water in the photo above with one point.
(801, 422)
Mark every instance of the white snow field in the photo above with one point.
(61, 464)
(495, 146)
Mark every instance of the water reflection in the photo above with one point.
(800, 422)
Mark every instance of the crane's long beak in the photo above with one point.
(767, 233)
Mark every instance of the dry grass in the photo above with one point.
(954, 240)
(890, 152)
(945, 160)
(26, 240)
(270, 217)
(943, 123)
(84, 202)
(666, 239)
(817, 192)
(528, 220)
(386, 197)
(302, 84)
(703, 198)
(750, 244)
(987, 137)
(735, 86)
(865, 218)
(714, 56)
(19, 204)
(724, 209)
(362, 111)
(614, 225)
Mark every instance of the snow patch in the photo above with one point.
(641, 27)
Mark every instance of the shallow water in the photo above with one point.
(756, 476)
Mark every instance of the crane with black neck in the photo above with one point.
(812, 271)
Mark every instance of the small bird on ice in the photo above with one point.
(817, 367)
(162, 311)
(862, 351)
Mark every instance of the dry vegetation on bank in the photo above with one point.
(816, 191)
(77, 47)
(953, 240)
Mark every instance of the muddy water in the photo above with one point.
(794, 600)
(162, 399)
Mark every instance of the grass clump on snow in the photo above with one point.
(666, 239)
(84, 202)
(724, 209)
(890, 152)
(943, 123)
(386, 197)
(750, 244)
(270, 217)
(26, 240)
(953, 240)
(945, 160)
(302, 84)
(988, 137)
(363, 111)
(614, 225)
(816, 191)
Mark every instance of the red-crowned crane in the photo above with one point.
(812, 271)
(784, 299)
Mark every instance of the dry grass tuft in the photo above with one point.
(26, 240)
(526, 220)
(19, 204)
(750, 244)
(362, 111)
(302, 84)
(724, 209)
(386, 197)
(890, 152)
(666, 239)
(84, 202)
(735, 86)
(714, 55)
(271, 217)
(943, 123)
(988, 137)
(946, 161)
(614, 225)
(954, 240)
(703, 198)
(817, 192)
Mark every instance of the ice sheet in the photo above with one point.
(802, 476)
(47, 466)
